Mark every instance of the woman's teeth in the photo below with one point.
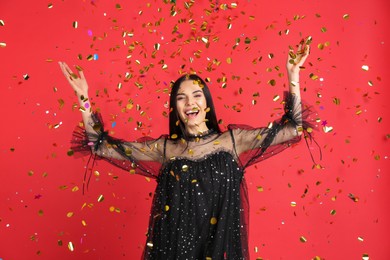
(192, 113)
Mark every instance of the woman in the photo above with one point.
(200, 206)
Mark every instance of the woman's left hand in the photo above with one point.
(296, 59)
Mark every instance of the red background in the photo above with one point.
(43, 214)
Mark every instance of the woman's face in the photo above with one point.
(191, 106)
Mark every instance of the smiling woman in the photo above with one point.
(200, 206)
(192, 106)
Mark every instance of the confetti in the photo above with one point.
(100, 198)
(70, 246)
(346, 16)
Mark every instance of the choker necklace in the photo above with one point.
(201, 134)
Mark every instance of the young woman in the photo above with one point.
(200, 206)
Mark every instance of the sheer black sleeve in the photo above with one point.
(256, 144)
(144, 156)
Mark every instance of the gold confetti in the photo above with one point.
(365, 257)
(260, 189)
(353, 197)
(70, 246)
(333, 212)
(365, 67)
(69, 214)
(101, 198)
(84, 223)
(75, 24)
(184, 168)
(293, 204)
(2, 23)
(166, 207)
(59, 242)
(149, 244)
(118, 6)
(174, 136)
(313, 76)
(229, 60)
(336, 101)
(213, 221)
(272, 82)
(360, 239)
(50, 5)
(303, 239)
(346, 16)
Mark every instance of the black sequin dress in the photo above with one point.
(200, 206)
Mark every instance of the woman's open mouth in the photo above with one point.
(192, 113)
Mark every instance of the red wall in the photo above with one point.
(42, 209)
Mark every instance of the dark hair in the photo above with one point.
(211, 118)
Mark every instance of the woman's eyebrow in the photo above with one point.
(183, 94)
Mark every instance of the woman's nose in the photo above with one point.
(189, 101)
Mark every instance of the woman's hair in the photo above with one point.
(211, 118)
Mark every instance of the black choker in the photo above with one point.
(201, 134)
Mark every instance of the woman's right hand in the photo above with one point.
(78, 82)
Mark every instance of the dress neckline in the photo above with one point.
(200, 135)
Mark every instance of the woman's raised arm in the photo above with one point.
(80, 87)
(256, 144)
(142, 154)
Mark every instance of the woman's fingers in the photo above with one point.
(298, 58)
(304, 55)
(81, 73)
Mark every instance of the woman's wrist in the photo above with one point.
(84, 101)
